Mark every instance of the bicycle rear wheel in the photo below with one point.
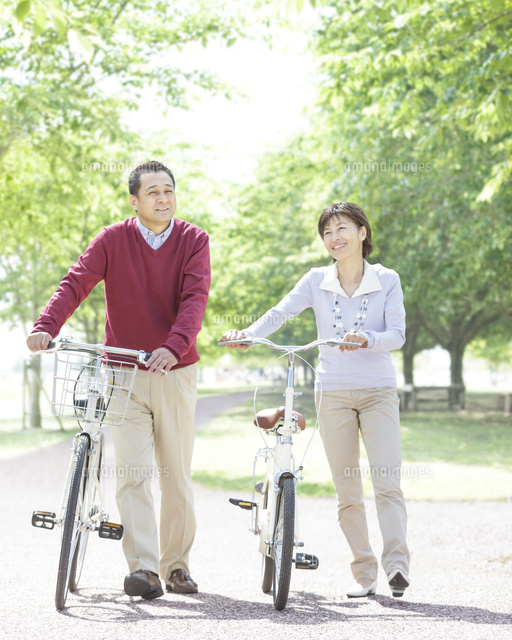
(72, 520)
(283, 541)
(91, 508)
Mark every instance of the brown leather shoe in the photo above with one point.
(143, 583)
(181, 582)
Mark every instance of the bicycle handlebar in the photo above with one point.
(331, 342)
(67, 344)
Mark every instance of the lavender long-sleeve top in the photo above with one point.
(384, 325)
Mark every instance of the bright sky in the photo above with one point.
(278, 83)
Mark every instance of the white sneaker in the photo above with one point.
(358, 591)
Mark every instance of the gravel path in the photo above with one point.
(461, 572)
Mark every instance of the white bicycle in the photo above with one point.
(274, 516)
(92, 385)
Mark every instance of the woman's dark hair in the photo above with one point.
(354, 213)
(153, 166)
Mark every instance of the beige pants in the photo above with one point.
(373, 412)
(159, 420)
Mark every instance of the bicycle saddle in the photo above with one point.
(268, 418)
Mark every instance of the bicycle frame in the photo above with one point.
(95, 385)
(92, 385)
(275, 519)
(280, 462)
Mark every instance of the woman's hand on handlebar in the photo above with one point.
(38, 341)
(234, 334)
(361, 340)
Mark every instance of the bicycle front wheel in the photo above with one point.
(283, 541)
(72, 520)
(91, 500)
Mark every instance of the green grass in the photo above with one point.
(467, 438)
(502, 558)
(214, 391)
(16, 442)
(446, 455)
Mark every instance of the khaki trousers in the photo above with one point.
(159, 421)
(374, 413)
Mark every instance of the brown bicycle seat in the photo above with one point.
(268, 418)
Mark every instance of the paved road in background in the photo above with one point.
(461, 572)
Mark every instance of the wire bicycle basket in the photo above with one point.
(92, 388)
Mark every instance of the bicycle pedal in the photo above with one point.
(110, 531)
(243, 504)
(43, 519)
(259, 487)
(306, 561)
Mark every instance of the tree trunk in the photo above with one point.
(304, 375)
(408, 365)
(408, 353)
(309, 376)
(34, 392)
(410, 349)
(456, 350)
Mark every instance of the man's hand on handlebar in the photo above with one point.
(38, 341)
(358, 338)
(234, 334)
(161, 361)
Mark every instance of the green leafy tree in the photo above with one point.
(404, 88)
(79, 70)
(495, 347)
(448, 248)
(68, 73)
(267, 244)
(421, 67)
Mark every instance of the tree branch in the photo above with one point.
(433, 331)
(480, 28)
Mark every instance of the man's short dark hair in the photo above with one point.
(153, 166)
(354, 213)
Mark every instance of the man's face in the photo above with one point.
(155, 202)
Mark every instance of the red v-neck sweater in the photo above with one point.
(153, 298)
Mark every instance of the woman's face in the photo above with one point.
(343, 238)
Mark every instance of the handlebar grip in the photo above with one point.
(147, 356)
(51, 345)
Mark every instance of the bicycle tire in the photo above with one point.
(72, 517)
(283, 541)
(91, 507)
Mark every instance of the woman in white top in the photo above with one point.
(359, 303)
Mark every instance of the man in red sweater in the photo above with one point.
(156, 270)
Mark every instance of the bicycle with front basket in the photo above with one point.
(92, 385)
(274, 516)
